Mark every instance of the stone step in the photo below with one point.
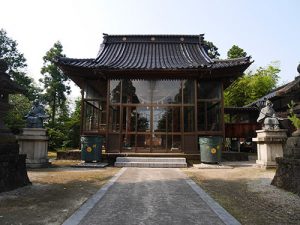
(152, 162)
(150, 159)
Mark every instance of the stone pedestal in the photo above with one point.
(34, 143)
(269, 146)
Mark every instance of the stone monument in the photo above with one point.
(13, 173)
(270, 139)
(34, 140)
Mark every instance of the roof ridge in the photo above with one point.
(153, 38)
(149, 35)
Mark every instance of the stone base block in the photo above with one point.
(269, 147)
(266, 164)
(34, 143)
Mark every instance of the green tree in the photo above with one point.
(55, 83)
(251, 86)
(15, 118)
(211, 50)
(236, 52)
(16, 65)
(73, 126)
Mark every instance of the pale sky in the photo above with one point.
(268, 30)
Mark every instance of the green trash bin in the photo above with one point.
(91, 148)
(210, 149)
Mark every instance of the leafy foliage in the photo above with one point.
(15, 118)
(54, 83)
(293, 117)
(65, 132)
(16, 65)
(251, 86)
(236, 52)
(211, 50)
(73, 127)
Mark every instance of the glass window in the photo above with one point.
(189, 119)
(158, 91)
(209, 116)
(95, 89)
(129, 92)
(159, 141)
(209, 90)
(160, 115)
(94, 116)
(214, 116)
(102, 117)
(143, 119)
(115, 91)
(143, 141)
(128, 142)
(188, 91)
(174, 142)
(129, 122)
(114, 119)
(173, 118)
(201, 119)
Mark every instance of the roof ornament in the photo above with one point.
(104, 38)
(298, 69)
(201, 38)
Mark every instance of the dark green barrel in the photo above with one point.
(210, 149)
(91, 148)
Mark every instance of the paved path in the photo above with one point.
(151, 196)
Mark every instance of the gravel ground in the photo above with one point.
(54, 195)
(246, 193)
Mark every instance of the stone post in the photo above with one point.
(269, 146)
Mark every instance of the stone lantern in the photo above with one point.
(13, 171)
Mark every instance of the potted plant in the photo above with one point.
(294, 119)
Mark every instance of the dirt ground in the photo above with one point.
(54, 195)
(246, 193)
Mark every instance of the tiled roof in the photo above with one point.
(150, 52)
(293, 86)
(231, 110)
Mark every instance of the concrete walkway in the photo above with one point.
(151, 196)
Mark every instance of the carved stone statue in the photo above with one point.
(36, 116)
(268, 117)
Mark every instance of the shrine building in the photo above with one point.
(153, 93)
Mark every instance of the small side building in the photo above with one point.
(153, 93)
(281, 97)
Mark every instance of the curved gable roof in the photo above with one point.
(151, 52)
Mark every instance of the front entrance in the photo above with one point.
(161, 116)
(151, 129)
